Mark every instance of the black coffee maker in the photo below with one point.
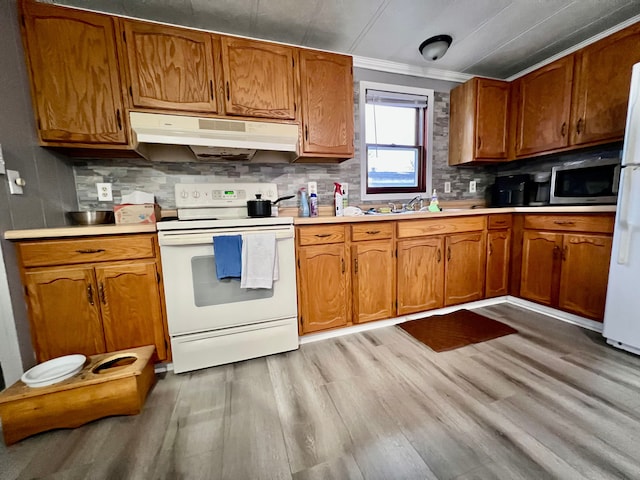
(511, 191)
(540, 188)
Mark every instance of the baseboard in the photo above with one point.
(557, 314)
(534, 307)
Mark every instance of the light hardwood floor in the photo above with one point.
(553, 401)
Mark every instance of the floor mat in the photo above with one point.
(455, 330)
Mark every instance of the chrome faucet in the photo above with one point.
(393, 207)
(412, 203)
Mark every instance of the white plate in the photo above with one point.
(53, 371)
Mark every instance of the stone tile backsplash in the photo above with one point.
(160, 178)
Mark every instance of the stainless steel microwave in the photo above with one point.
(586, 182)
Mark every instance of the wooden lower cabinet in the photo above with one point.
(584, 275)
(420, 274)
(465, 268)
(323, 287)
(130, 306)
(540, 263)
(498, 256)
(65, 314)
(567, 270)
(373, 279)
(105, 300)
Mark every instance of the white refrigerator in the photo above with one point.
(622, 311)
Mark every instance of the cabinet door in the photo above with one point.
(74, 75)
(585, 272)
(420, 270)
(170, 68)
(65, 315)
(373, 280)
(258, 78)
(498, 254)
(323, 286)
(544, 102)
(327, 103)
(465, 268)
(491, 119)
(540, 266)
(130, 302)
(601, 87)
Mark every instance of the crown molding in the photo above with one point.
(577, 47)
(412, 70)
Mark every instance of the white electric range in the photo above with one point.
(211, 321)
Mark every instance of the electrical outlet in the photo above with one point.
(104, 192)
(472, 186)
(2, 167)
(447, 187)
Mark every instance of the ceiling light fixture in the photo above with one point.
(434, 48)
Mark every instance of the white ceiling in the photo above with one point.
(495, 38)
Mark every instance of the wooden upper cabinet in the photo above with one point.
(479, 121)
(73, 67)
(170, 68)
(601, 87)
(544, 104)
(327, 103)
(259, 78)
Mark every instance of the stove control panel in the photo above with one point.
(200, 195)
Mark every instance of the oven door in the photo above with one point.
(198, 302)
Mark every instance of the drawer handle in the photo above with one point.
(439, 255)
(564, 253)
(342, 260)
(90, 294)
(228, 96)
(119, 119)
(91, 250)
(448, 253)
(500, 222)
(323, 235)
(373, 232)
(563, 130)
(103, 298)
(579, 126)
(211, 88)
(356, 266)
(564, 222)
(490, 248)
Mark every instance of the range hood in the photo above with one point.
(212, 139)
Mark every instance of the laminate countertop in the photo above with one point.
(92, 230)
(455, 212)
(79, 231)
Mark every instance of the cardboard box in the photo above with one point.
(143, 213)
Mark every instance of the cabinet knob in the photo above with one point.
(563, 130)
(439, 255)
(579, 126)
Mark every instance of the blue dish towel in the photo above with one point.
(227, 251)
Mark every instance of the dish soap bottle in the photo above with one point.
(338, 205)
(433, 204)
(304, 203)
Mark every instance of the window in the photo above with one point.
(396, 124)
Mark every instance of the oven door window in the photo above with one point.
(208, 290)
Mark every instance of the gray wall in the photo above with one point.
(50, 189)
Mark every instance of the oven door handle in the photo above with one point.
(206, 238)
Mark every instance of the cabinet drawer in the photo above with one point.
(371, 231)
(86, 250)
(320, 234)
(418, 228)
(498, 221)
(573, 223)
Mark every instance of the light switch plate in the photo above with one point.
(14, 188)
(2, 167)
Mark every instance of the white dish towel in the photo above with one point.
(259, 260)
